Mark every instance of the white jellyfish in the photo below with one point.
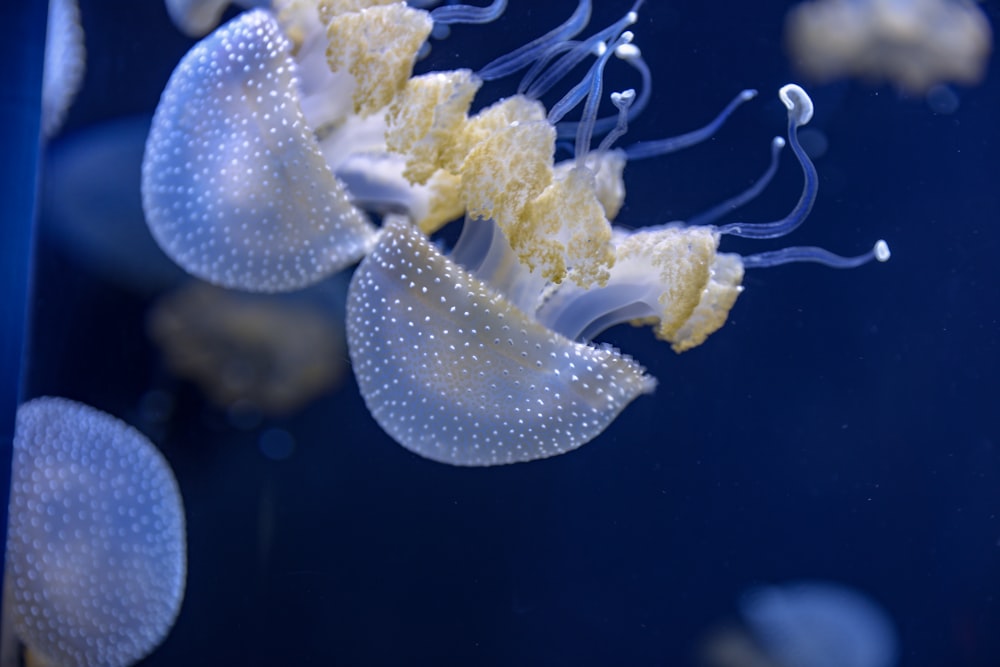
(65, 56)
(197, 17)
(915, 44)
(820, 624)
(276, 130)
(91, 208)
(229, 132)
(96, 555)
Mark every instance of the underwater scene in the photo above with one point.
(579, 332)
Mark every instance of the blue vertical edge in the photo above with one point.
(22, 49)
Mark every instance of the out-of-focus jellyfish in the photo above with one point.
(263, 352)
(91, 207)
(65, 58)
(820, 624)
(96, 555)
(197, 17)
(915, 44)
(276, 130)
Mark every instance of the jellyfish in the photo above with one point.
(820, 624)
(272, 353)
(279, 133)
(484, 357)
(229, 145)
(65, 59)
(91, 208)
(96, 555)
(197, 17)
(914, 44)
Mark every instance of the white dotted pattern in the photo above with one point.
(455, 373)
(96, 554)
(234, 185)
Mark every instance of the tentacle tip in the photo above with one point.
(623, 98)
(800, 106)
(628, 52)
(778, 143)
(881, 251)
(748, 94)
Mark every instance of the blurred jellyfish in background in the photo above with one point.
(65, 57)
(267, 354)
(806, 624)
(820, 624)
(91, 208)
(913, 44)
(96, 548)
(196, 18)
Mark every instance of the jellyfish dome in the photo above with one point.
(96, 555)
(65, 59)
(820, 624)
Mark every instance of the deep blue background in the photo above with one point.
(843, 425)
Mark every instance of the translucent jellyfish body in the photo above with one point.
(235, 188)
(820, 624)
(197, 17)
(96, 555)
(65, 60)
(456, 372)
(483, 355)
(98, 220)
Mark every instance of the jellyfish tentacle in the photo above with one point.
(631, 55)
(800, 110)
(623, 101)
(733, 203)
(538, 49)
(452, 14)
(536, 70)
(879, 252)
(577, 54)
(647, 149)
(585, 132)
(588, 91)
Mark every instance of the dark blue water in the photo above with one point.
(842, 426)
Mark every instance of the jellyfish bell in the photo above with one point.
(96, 555)
(65, 60)
(235, 188)
(198, 17)
(456, 373)
(91, 208)
(820, 624)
